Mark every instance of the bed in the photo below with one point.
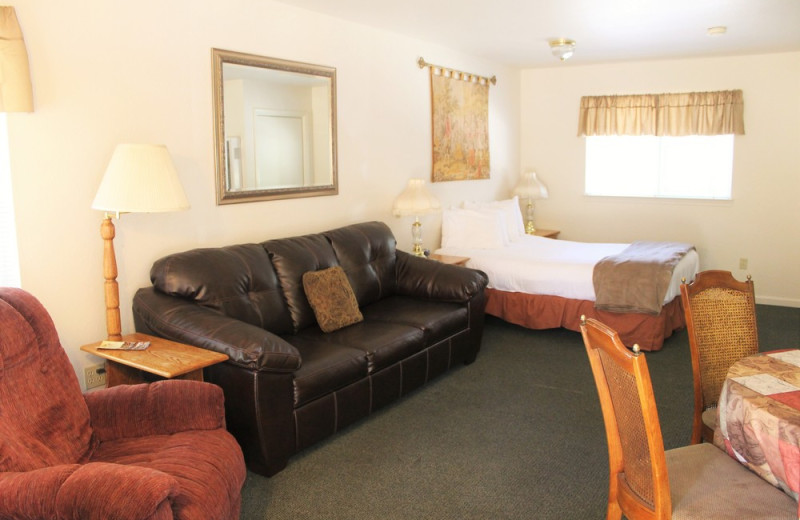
(542, 283)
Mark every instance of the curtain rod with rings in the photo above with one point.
(466, 76)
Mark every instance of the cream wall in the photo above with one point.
(761, 223)
(106, 72)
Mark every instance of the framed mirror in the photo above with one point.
(274, 128)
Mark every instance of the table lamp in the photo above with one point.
(415, 200)
(140, 178)
(530, 188)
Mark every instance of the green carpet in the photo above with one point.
(516, 435)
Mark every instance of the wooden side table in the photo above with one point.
(449, 259)
(162, 359)
(547, 233)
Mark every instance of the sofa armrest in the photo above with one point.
(425, 278)
(160, 408)
(86, 492)
(181, 320)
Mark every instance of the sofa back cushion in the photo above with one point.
(238, 281)
(291, 258)
(366, 252)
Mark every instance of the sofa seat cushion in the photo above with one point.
(198, 460)
(437, 320)
(327, 365)
(377, 344)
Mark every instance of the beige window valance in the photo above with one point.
(691, 113)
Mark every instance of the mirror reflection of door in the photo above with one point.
(274, 128)
(233, 160)
(282, 149)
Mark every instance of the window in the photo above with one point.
(692, 167)
(9, 259)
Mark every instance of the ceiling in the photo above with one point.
(516, 32)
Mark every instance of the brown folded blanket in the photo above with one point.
(637, 279)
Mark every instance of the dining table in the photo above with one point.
(759, 417)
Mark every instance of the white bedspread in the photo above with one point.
(538, 265)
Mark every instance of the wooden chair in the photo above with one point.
(721, 320)
(645, 482)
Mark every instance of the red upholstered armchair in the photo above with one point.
(155, 451)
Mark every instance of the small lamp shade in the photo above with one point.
(414, 201)
(140, 178)
(530, 188)
(16, 92)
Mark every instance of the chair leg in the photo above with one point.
(697, 432)
(708, 434)
(614, 512)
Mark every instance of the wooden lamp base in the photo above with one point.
(113, 322)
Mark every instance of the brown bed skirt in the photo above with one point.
(537, 311)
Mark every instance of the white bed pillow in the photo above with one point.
(515, 227)
(472, 229)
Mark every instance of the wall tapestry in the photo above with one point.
(460, 115)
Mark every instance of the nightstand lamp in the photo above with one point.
(414, 201)
(140, 178)
(530, 187)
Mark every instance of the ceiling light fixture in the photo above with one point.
(717, 31)
(562, 48)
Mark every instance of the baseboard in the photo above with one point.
(781, 302)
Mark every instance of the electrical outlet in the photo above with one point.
(743, 263)
(94, 376)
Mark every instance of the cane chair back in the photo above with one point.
(638, 483)
(646, 483)
(720, 316)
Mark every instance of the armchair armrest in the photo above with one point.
(99, 490)
(163, 407)
(180, 320)
(32, 494)
(425, 278)
(92, 491)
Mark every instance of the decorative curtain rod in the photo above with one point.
(466, 76)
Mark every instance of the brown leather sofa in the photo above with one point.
(287, 384)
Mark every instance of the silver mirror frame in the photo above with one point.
(224, 196)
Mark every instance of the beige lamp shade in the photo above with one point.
(415, 200)
(140, 178)
(530, 187)
(16, 92)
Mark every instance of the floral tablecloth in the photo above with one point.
(759, 417)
